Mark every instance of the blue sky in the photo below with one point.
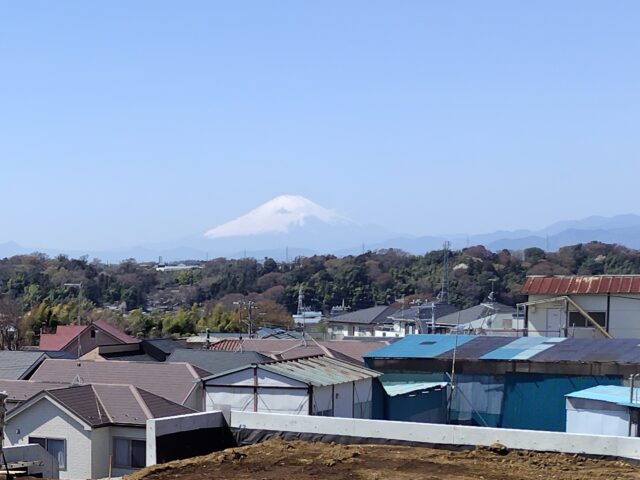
(130, 122)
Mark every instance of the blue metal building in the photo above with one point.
(502, 381)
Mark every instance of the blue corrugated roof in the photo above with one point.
(420, 346)
(608, 393)
(522, 349)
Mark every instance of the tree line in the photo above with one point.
(40, 292)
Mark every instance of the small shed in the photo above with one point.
(604, 410)
(305, 386)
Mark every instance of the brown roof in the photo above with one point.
(581, 284)
(288, 349)
(23, 390)
(100, 405)
(173, 381)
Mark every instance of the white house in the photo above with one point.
(604, 410)
(94, 431)
(306, 386)
(583, 306)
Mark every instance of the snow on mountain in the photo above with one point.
(278, 215)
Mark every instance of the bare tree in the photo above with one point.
(10, 316)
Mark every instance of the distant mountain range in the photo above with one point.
(291, 225)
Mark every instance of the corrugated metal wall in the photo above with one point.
(537, 402)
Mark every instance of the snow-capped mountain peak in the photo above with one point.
(278, 215)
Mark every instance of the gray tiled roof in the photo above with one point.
(366, 316)
(17, 365)
(474, 313)
(214, 361)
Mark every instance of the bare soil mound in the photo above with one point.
(297, 460)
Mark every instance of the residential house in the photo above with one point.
(583, 306)
(94, 431)
(307, 386)
(420, 318)
(360, 323)
(80, 339)
(177, 382)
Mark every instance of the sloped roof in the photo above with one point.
(581, 284)
(616, 394)
(316, 371)
(23, 390)
(63, 336)
(424, 312)
(16, 365)
(216, 361)
(584, 351)
(477, 312)
(101, 405)
(366, 316)
(173, 381)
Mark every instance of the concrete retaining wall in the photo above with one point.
(434, 434)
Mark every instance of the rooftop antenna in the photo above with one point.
(444, 290)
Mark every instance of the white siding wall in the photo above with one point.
(596, 418)
(44, 419)
(624, 315)
(100, 451)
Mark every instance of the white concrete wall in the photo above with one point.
(48, 466)
(157, 427)
(625, 316)
(625, 447)
(44, 419)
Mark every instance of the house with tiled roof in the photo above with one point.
(80, 339)
(587, 306)
(94, 431)
(177, 382)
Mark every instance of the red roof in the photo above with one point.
(67, 333)
(64, 334)
(581, 284)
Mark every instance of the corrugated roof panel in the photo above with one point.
(581, 284)
(475, 349)
(421, 346)
(320, 371)
(522, 349)
(616, 394)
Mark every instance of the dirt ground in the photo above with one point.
(297, 460)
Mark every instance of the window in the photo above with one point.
(93, 333)
(55, 446)
(129, 453)
(577, 320)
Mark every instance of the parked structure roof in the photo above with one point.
(173, 381)
(316, 371)
(17, 365)
(581, 284)
(101, 405)
(551, 350)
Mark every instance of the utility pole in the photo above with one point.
(444, 290)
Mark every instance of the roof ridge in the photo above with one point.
(141, 402)
(99, 403)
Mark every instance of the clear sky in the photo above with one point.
(125, 122)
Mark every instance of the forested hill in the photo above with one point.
(33, 286)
